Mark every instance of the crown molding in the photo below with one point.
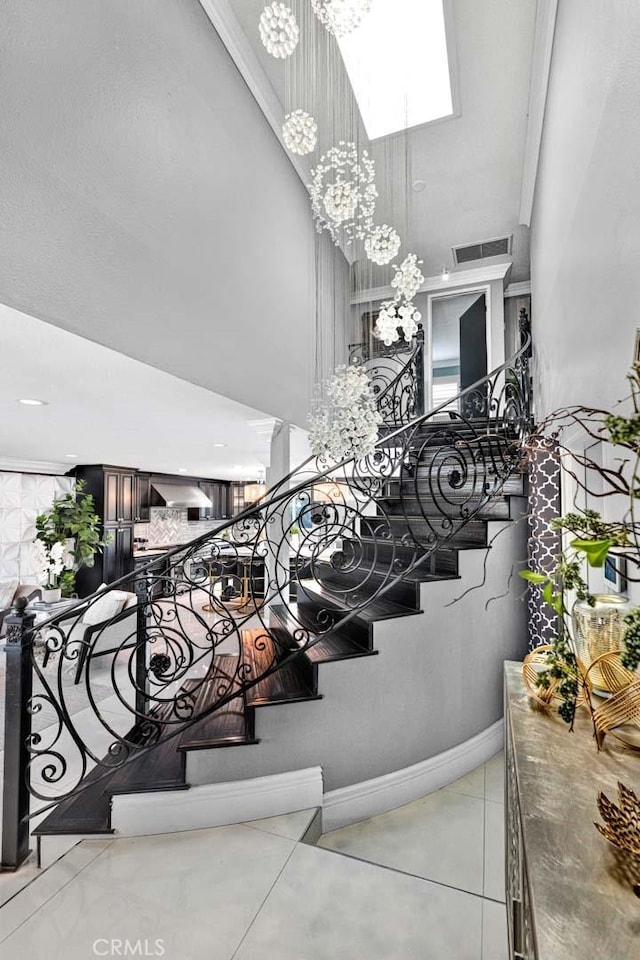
(455, 281)
(540, 72)
(16, 465)
(521, 289)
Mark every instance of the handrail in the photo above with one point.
(354, 551)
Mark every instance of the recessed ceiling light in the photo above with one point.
(219, 444)
(183, 470)
(418, 185)
(33, 403)
(71, 456)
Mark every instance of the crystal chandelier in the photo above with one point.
(343, 192)
(300, 132)
(279, 30)
(394, 316)
(346, 425)
(382, 244)
(408, 277)
(340, 17)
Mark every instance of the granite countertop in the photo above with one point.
(582, 906)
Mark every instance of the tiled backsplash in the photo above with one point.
(22, 497)
(167, 526)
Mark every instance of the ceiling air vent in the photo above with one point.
(480, 251)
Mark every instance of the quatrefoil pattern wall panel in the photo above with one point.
(22, 497)
(545, 543)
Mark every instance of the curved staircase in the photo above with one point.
(401, 520)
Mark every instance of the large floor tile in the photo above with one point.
(293, 826)
(48, 884)
(495, 944)
(472, 785)
(494, 851)
(494, 778)
(327, 907)
(197, 891)
(439, 838)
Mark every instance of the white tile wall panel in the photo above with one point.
(22, 497)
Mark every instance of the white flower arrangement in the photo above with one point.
(50, 560)
(347, 424)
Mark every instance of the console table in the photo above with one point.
(566, 894)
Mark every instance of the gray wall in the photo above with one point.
(585, 241)
(145, 202)
(436, 682)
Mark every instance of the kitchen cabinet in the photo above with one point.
(114, 494)
(141, 497)
(118, 496)
(218, 492)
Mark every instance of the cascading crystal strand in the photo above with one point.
(382, 244)
(408, 277)
(341, 17)
(343, 193)
(300, 132)
(279, 30)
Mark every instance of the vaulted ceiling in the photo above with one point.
(471, 165)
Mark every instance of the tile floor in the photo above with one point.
(423, 882)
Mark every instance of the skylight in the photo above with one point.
(398, 65)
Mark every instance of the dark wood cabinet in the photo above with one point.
(114, 490)
(118, 496)
(142, 497)
(219, 493)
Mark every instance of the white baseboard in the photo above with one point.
(216, 804)
(371, 797)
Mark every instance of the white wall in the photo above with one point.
(585, 255)
(145, 202)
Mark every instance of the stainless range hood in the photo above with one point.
(178, 495)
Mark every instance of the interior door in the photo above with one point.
(473, 355)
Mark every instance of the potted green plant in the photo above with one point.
(70, 533)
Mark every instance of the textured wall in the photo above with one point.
(168, 526)
(22, 497)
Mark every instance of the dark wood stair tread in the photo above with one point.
(327, 649)
(380, 609)
(158, 768)
(286, 685)
(228, 726)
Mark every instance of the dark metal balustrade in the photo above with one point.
(366, 528)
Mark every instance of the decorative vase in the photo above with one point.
(599, 630)
(51, 594)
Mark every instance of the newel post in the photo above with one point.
(17, 730)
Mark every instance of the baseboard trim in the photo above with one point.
(371, 797)
(216, 804)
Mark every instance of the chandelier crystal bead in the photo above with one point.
(382, 244)
(393, 317)
(343, 193)
(346, 425)
(408, 277)
(341, 17)
(279, 30)
(300, 132)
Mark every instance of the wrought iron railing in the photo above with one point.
(397, 376)
(338, 537)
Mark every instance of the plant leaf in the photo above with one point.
(534, 577)
(595, 550)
